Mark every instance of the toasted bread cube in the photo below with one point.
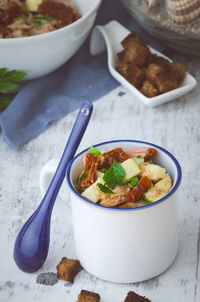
(131, 169)
(152, 71)
(153, 172)
(132, 73)
(178, 70)
(148, 89)
(133, 297)
(131, 40)
(166, 82)
(159, 190)
(138, 55)
(87, 296)
(67, 269)
(93, 193)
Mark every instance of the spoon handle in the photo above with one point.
(70, 149)
(32, 243)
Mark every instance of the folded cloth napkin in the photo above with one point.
(52, 97)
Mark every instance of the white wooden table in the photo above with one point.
(175, 126)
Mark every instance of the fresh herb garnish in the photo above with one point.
(114, 175)
(151, 162)
(139, 156)
(8, 83)
(94, 151)
(82, 176)
(40, 19)
(103, 170)
(105, 189)
(4, 102)
(8, 79)
(19, 18)
(146, 201)
(133, 181)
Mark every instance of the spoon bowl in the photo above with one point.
(110, 36)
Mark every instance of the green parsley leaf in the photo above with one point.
(94, 151)
(105, 189)
(114, 175)
(103, 170)
(4, 102)
(139, 156)
(8, 79)
(146, 201)
(133, 181)
(82, 176)
(151, 162)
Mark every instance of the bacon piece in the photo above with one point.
(110, 157)
(14, 10)
(145, 152)
(61, 10)
(138, 191)
(91, 164)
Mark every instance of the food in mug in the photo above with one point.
(133, 297)
(149, 73)
(34, 17)
(67, 269)
(87, 296)
(123, 179)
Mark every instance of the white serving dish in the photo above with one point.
(110, 36)
(41, 54)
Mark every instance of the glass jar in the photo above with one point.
(177, 27)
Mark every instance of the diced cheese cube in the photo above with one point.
(153, 172)
(131, 169)
(138, 160)
(99, 174)
(32, 5)
(159, 190)
(93, 193)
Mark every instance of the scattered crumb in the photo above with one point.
(67, 269)
(121, 93)
(47, 279)
(86, 296)
(133, 297)
(180, 110)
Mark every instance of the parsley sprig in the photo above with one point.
(8, 83)
(113, 176)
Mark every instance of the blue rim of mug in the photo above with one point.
(171, 192)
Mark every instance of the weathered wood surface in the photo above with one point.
(175, 126)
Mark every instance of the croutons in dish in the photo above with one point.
(34, 17)
(123, 179)
(149, 73)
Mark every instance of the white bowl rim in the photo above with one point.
(170, 193)
(9, 41)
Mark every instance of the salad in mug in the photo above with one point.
(123, 179)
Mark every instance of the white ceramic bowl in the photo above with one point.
(123, 245)
(39, 55)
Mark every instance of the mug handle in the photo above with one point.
(46, 175)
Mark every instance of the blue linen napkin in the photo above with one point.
(82, 78)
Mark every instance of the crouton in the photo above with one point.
(133, 297)
(130, 41)
(178, 70)
(132, 73)
(148, 89)
(86, 296)
(67, 269)
(166, 82)
(137, 55)
(152, 71)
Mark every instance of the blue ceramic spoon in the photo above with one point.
(32, 243)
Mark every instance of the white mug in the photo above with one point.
(123, 245)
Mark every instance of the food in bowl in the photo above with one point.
(152, 75)
(123, 179)
(34, 17)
